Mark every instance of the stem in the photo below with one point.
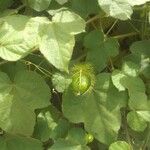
(93, 19)
(112, 26)
(80, 57)
(48, 74)
(94, 26)
(111, 63)
(39, 65)
(20, 7)
(101, 27)
(134, 27)
(125, 35)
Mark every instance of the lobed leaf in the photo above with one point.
(18, 100)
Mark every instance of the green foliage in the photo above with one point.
(39, 5)
(99, 109)
(120, 9)
(57, 38)
(14, 142)
(19, 99)
(61, 81)
(119, 145)
(74, 74)
(100, 49)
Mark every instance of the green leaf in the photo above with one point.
(61, 81)
(15, 142)
(116, 76)
(50, 124)
(8, 12)
(72, 106)
(52, 12)
(136, 89)
(18, 36)
(39, 5)
(77, 135)
(128, 79)
(141, 56)
(130, 69)
(61, 130)
(61, 2)
(12, 68)
(69, 22)
(84, 7)
(145, 115)
(98, 110)
(67, 145)
(117, 8)
(18, 100)
(100, 50)
(57, 40)
(137, 2)
(46, 122)
(120, 9)
(5, 4)
(136, 122)
(141, 48)
(61, 44)
(120, 145)
(138, 100)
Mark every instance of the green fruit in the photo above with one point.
(80, 84)
(83, 78)
(89, 138)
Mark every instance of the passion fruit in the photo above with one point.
(83, 78)
(80, 83)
